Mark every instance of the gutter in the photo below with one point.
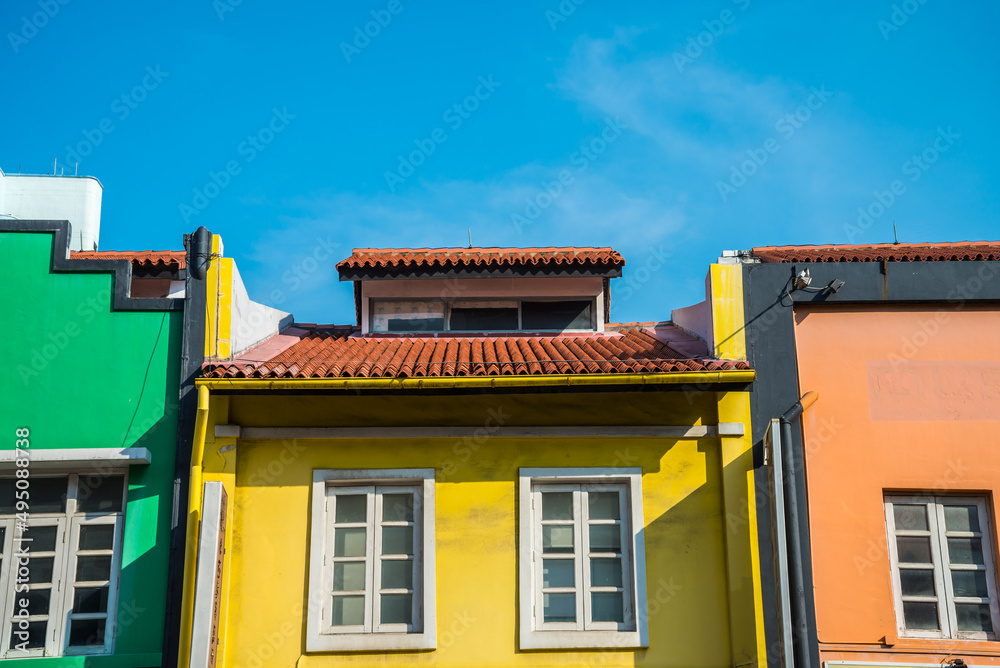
(194, 520)
(796, 510)
(461, 382)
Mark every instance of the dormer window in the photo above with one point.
(481, 290)
(498, 315)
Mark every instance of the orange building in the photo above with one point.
(890, 518)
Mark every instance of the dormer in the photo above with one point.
(469, 291)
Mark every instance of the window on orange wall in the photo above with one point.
(943, 567)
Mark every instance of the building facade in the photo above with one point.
(481, 471)
(89, 418)
(890, 472)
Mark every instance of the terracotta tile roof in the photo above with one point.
(149, 259)
(962, 250)
(398, 258)
(340, 352)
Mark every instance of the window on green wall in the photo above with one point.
(372, 560)
(60, 559)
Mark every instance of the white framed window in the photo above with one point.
(541, 314)
(582, 574)
(59, 577)
(371, 564)
(943, 568)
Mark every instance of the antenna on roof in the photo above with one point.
(894, 235)
(470, 237)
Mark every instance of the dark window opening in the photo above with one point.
(483, 319)
(415, 324)
(545, 316)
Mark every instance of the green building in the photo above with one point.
(89, 407)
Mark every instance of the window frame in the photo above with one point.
(60, 614)
(942, 566)
(584, 633)
(321, 636)
(516, 302)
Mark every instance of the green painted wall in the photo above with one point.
(80, 375)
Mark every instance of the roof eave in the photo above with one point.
(734, 376)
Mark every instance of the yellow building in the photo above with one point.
(481, 472)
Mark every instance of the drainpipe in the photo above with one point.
(194, 522)
(795, 557)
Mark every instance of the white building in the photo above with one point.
(42, 197)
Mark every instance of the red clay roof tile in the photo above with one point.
(148, 259)
(383, 258)
(929, 252)
(328, 352)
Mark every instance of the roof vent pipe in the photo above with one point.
(201, 253)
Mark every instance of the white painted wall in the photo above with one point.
(697, 319)
(39, 197)
(252, 323)
(482, 288)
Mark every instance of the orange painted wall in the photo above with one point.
(909, 400)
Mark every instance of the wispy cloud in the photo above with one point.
(655, 184)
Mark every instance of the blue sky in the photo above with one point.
(678, 129)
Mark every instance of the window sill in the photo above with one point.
(370, 642)
(583, 640)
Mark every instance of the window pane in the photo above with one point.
(349, 576)
(34, 635)
(916, 583)
(40, 569)
(47, 495)
(86, 632)
(397, 507)
(351, 508)
(397, 609)
(557, 316)
(557, 538)
(607, 607)
(606, 572)
(559, 607)
(38, 601)
(93, 568)
(348, 610)
(483, 319)
(910, 518)
(603, 505)
(914, 549)
(414, 325)
(558, 573)
(97, 536)
(557, 505)
(90, 599)
(43, 539)
(920, 616)
(965, 550)
(349, 542)
(397, 574)
(605, 538)
(970, 583)
(100, 494)
(397, 540)
(961, 518)
(973, 617)
(7, 496)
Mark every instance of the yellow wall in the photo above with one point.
(700, 608)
